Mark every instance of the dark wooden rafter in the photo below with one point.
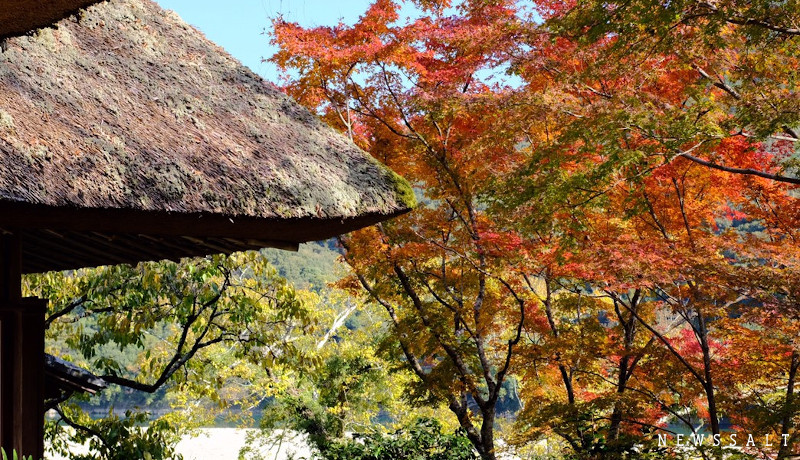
(65, 238)
(45, 251)
(124, 221)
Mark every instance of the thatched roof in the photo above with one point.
(123, 121)
(17, 17)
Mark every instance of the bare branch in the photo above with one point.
(745, 171)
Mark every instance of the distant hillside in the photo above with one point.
(313, 266)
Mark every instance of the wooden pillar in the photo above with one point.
(10, 296)
(21, 358)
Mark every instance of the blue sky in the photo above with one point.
(239, 25)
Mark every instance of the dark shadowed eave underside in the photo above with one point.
(18, 17)
(125, 135)
(62, 239)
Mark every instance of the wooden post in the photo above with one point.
(21, 358)
(10, 296)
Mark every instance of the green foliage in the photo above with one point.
(423, 439)
(189, 332)
(244, 338)
(351, 388)
(14, 455)
(313, 266)
(116, 438)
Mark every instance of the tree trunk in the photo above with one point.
(625, 364)
(548, 311)
(708, 385)
(482, 441)
(788, 409)
(616, 415)
(487, 432)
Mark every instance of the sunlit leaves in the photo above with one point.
(196, 328)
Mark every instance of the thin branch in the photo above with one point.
(744, 171)
(78, 426)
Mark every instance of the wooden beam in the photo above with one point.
(25, 216)
(10, 268)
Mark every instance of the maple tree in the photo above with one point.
(683, 116)
(410, 93)
(613, 227)
(711, 82)
(662, 286)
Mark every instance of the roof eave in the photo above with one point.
(18, 17)
(65, 238)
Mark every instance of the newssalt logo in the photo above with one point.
(724, 440)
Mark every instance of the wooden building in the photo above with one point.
(125, 135)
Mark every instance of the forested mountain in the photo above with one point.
(313, 266)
